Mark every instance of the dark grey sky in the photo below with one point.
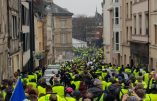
(81, 7)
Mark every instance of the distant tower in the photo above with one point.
(96, 10)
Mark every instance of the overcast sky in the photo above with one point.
(81, 7)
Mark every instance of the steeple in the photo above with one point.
(96, 10)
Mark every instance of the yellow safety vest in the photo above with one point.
(70, 99)
(3, 94)
(41, 90)
(77, 84)
(123, 92)
(108, 84)
(59, 90)
(35, 76)
(127, 70)
(153, 97)
(103, 75)
(136, 74)
(59, 98)
(25, 79)
(34, 85)
(144, 84)
(30, 77)
(102, 97)
(146, 77)
(45, 98)
(147, 98)
(104, 84)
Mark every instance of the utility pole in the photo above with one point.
(32, 40)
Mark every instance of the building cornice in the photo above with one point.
(140, 1)
(153, 46)
(138, 41)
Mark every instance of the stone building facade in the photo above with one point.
(3, 40)
(111, 30)
(59, 32)
(153, 34)
(14, 44)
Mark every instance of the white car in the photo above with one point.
(50, 72)
(56, 66)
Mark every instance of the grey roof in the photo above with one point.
(57, 10)
(39, 8)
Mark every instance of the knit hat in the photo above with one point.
(69, 90)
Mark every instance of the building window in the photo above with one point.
(14, 26)
(155, 34)
(24, 15)
(26, 41)
(63, 23)
(131, 9)
(0, 29)
(127, 31)
(140, 24)
(155, 5)
(127, 10)
(116, 39)
(63, 38)
(125, 59)
(146, 23)
(40, 46)
(134, 24)
(116, 15)
(130, 30)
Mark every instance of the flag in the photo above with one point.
(18, 94)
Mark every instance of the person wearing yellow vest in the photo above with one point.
(46, 97)
(41, 90)
(126, 89)
(140, 80)
(59, 89)
(76, 82)
(68, 94)
(1, 97)
(55, 97)
(146, 78)
(153, 97)
(153, 86)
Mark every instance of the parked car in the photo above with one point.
(50, 72)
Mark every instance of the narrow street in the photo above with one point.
(78, 50)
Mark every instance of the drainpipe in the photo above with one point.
(32, 40)
(8, 43)
(148, 35)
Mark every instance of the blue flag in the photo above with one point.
(18, 94)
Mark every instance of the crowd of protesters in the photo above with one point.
(86, 79)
